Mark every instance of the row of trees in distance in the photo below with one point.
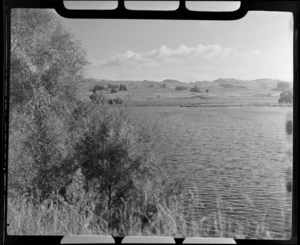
(113, 88)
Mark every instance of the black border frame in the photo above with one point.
(182, 13)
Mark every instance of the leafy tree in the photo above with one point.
(43, 56)
(117, 156)
(47, 64)
(206, 90)
(180, 88)
(75, 191)
(97, 87)
(122, 87)
(286, 97)
(163, 85)
(116, 101)
(281, 86)
(195, 89)
(113, 90)
(112, 86)
(98, 98)
(119, 101)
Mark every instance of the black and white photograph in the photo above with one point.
(151, 127)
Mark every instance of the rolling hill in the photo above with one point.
(148, 92)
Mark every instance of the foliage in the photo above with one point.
(21, 169)
(163, 85)
(83, 168)
(97, 87)
(281, 86)
(112, 86)
(206, 90)
(113, 90)
(286, 97)
(180, 88)
(68, 152)
(47, 63)
(116, 158)
(44, 56)
(122, 87)
(116, 101)
(98, 98)
(195, 89)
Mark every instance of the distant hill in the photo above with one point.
(222, 91)
(202, 83)
(228, 81)
(222, 84)
(171, 81)
(150, 83)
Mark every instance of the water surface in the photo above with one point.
(236, 153)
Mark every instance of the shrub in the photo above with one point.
(121, 160)
(286, 97)
(195, 89)
(122, 87)
(97, 87)
(112, 154)
(98, 98)
(112, 86)
(116, 101)
(113, 90)
(180, 88)
(281, 86)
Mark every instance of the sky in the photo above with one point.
(256, 46)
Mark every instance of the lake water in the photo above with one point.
(237, 153)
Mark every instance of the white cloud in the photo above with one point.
(163, 55)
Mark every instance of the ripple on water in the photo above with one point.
(239, 154)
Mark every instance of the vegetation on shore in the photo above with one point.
(55, 216)
(72, 154)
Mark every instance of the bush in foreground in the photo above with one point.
(120, 159)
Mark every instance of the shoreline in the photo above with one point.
(213, 105)
(239, 105)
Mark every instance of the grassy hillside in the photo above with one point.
(222, 91)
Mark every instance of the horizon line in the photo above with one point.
(149, 80)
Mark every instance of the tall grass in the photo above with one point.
(56, 217)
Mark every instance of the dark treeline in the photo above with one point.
(73, 152)
(110, 87)
(195, 89)
(180, 88)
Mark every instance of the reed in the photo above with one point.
(169, 219)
